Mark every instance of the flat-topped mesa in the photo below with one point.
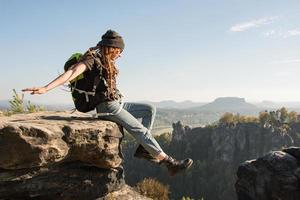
(58, 155)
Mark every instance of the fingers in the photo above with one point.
(36, 91)
(33, 90)
(30, 89)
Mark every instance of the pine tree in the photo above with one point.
(16, 104)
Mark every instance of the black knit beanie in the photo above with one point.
(112, 39)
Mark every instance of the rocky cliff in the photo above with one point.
(217, 151)
(234, 144)
(58, 155)
(273, 176)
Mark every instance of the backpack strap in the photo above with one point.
(98, 77)
(86, 93)
(99, 66)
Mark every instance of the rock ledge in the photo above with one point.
(59, 155)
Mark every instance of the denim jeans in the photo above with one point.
(127, 115)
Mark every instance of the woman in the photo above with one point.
(110, 107)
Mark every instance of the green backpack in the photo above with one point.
(83, 87)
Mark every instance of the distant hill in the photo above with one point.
(277, 105)
(230, 104)
(267, 104)
(173, 104)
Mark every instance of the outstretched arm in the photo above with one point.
(65, 77)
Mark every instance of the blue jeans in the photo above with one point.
(127, 116)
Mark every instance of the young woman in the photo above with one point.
(110, 106)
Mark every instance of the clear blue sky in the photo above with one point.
(181, 50)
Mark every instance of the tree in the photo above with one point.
(31, 108)
(16, 104)
(283, 115)
(293, 116)
(264, 117)
(227, 119)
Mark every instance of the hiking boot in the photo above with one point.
(141, 152)
(175, 166)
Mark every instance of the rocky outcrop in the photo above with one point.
(233, 145)
(274, 176)
(247, 140)
(179, 131)
(217, 151)
(58, 155)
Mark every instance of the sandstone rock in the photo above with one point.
(67, 181)
(58, 155)
(232, 144)
(26, 146)
(179, 131)
(273, 176)
(40, 139)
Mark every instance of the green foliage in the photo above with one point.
(293, 117)
(246, 119)
(164, 138)
(17, 105)
(229, 119)
(265, 119)
(278, 118)
(153, 188)
(31, 108)
(283, 115)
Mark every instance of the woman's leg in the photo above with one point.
(132, 125)
(147, 113)
(142, 134)
(143, 111)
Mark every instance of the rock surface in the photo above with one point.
(179, 131)
(40, 139)
(244, 141)
(217, 151)
(273, 176)
(58, 155)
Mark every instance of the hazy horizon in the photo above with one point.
(180, 50)
(166, 100)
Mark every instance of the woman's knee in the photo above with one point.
(151, 108)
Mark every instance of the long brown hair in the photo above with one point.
(110, 67)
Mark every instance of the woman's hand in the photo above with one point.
(72, 73)
(35, 90)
